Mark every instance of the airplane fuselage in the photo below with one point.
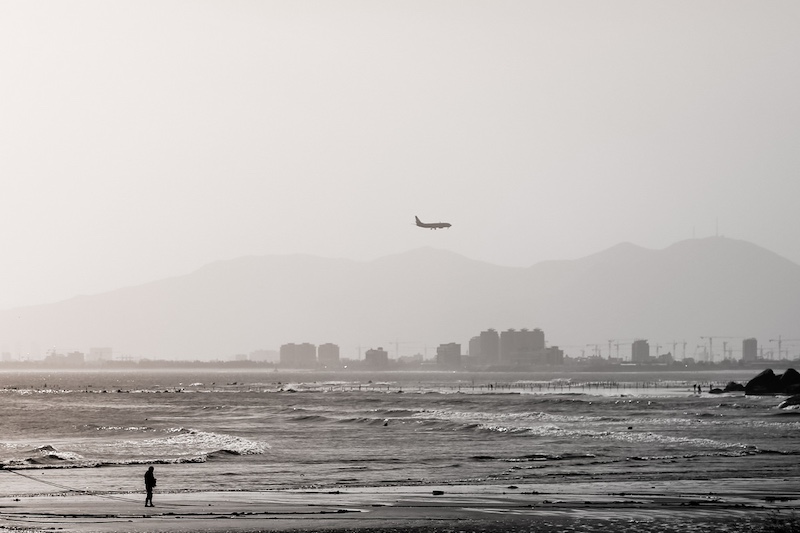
(432, 225)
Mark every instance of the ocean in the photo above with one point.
(68, 432)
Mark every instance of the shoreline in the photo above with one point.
(729, 505)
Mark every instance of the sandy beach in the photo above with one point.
(727, 505)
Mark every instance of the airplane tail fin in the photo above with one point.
(418, 220)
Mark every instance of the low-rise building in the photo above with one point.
(263, 356)
(552, 355)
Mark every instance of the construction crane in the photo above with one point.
(618, 343)
(792, 342)
(596, 350)
(710, 354)
(658, 346)
(704, 352)
(397, 344)
(567, 347)
(711, 345)
(675, 348)
(780, 340)
(727, 353)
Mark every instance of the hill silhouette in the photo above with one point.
(700, 287)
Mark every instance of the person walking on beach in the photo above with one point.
(149, 483)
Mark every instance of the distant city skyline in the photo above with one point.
(491, 347)
(707, 293)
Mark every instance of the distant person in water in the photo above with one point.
(149, 483)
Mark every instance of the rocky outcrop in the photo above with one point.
(767, 382)
(790, 381)
(764, 383)
(732, 386)
(794, 400)
(789, 402)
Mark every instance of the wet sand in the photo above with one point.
(720, 505)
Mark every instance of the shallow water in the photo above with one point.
(255, 431)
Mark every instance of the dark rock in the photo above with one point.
(764, 383)
(716, 390)
(790, 381)
(794, 400)
(769, 383)
(732, 386)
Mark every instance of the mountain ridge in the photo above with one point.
(427, 296)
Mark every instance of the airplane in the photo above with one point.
(434, 225)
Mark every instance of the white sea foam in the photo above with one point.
(193, 442)
(483, 417)
(123, 428)
(549, 425)
(63, 456)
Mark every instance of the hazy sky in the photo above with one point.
(140, 140)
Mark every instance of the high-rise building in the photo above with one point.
(535, 339)
(749, 350)
(640, 351)
(298, 355)
(449, 355)
(508, 345)
(489, 346)
(376, 358)
(328, 354)
(474, 348)
(523, 347)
